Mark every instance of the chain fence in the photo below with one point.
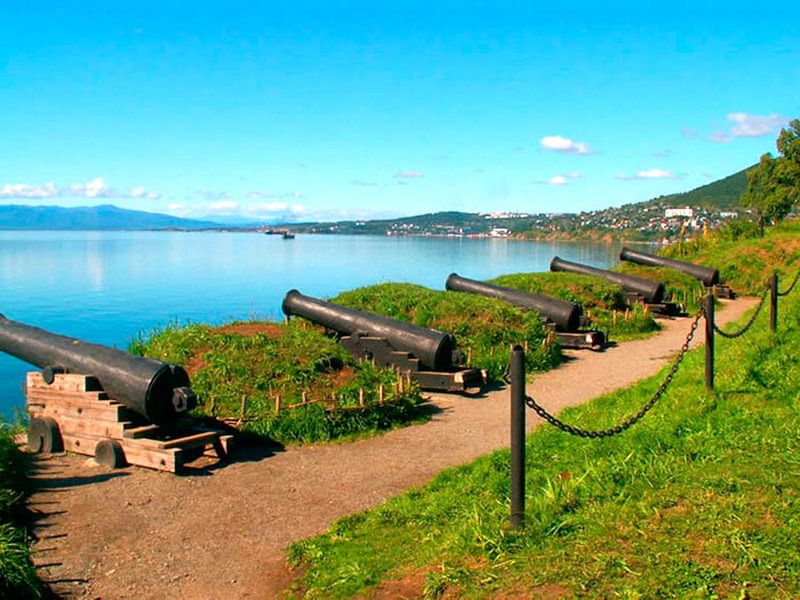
(746, 328)
(632, 420)
(791, 287)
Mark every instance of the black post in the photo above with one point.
(709, 309)
(517, 369)
(773, 303)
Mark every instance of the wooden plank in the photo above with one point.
(65, 382)
(141, 431)
(161, 460)
(93, 410)
(191, 440)
(74, 396)
(81, 426)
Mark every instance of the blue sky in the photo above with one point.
(303, 110)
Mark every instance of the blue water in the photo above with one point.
(107, 287)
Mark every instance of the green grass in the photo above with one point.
(257, 361)
(701, 499)
(484, 328)
(17, 574)
(603, 302)
(746, 263)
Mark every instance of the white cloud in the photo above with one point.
(96, 188)
(409, 174)
(755, 125)
(746, 126)
(648, 174)
(561, 179)
(558, 143)
(24, 190)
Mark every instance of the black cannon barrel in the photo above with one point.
(566, 315)
(157, 390)
(652, 291)
(433, 348)
(708, 275)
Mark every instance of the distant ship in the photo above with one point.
(285, 233)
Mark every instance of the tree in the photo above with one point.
(773, 187)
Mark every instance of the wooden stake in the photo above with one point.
(380, 394)
(303, 397)
(277, 404)
(361, 397)
(525, 345)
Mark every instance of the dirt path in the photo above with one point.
(137, 533)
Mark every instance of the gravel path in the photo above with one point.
(138, 533)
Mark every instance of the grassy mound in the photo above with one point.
(485, 328)
(240, 370)
(679, 287)
(603, 302)
(700, 499)
(17, 575)
(746, 264)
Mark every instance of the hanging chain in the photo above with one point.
(752, 320)
(791, 287)
(584, 433)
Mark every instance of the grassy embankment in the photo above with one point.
(700, 499)
(17, 575)
(239, 371)
(603, 302)
(484, 328)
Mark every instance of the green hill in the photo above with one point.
(723, 193)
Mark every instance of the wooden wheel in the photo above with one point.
(44, 435)
(109, 453)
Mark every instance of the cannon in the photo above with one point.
(566, 315)
(563, 317)
(97, 400)
(156, 390)
(430, 356)
(651, 291)
(708, 275)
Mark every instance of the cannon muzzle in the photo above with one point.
(435, 350)
(566, 315)
(651, 291)
(156, 390)
(708, 275)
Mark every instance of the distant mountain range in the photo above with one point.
(101, 217)
(723, 194)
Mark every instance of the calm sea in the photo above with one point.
(107, 287)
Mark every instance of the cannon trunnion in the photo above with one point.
(562, 317)
(429, 355)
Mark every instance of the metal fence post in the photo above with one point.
(773, 303)
(709, 310)
(517, 375)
